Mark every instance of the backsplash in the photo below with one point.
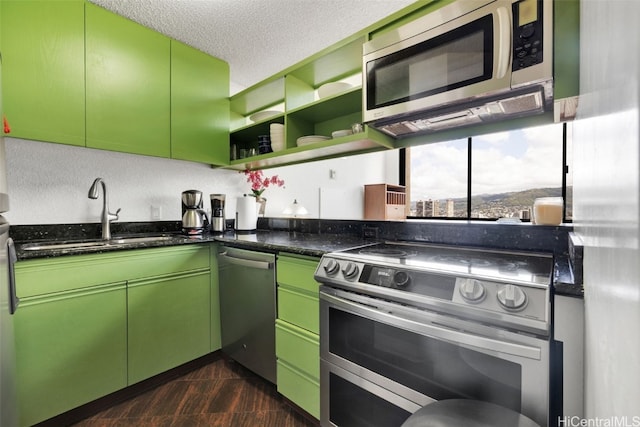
(48, 184)
(488, 234)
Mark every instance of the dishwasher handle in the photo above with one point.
(251, 263)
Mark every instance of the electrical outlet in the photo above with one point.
(332, 174)
(369, 232)
(156, 212)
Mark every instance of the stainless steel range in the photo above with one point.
(405, 324)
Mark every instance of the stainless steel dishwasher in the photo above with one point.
(248, 308)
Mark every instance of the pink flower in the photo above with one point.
(259, 182)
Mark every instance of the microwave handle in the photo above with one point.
(503, 18)
(435, 331)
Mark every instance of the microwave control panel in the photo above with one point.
(527, 34)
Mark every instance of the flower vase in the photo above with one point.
(262, 204)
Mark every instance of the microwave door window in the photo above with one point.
(447, 66)
(455, 59)
(391, 83)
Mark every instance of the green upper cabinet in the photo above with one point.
(43, 69)
(199, 106)
(127, 85)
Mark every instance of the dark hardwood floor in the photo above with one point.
(222, 393)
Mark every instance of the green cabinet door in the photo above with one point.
(128, 85)
(168, 322)
(216, 335)
(199, 106)
(43, 69)
(70, 349)
(297, 328)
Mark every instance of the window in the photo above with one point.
(491, 176)
(439, 178)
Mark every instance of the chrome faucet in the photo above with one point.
(93, 194)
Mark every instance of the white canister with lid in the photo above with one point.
(547, 211)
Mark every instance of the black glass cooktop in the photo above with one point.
(510, 265)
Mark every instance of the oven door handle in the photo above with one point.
(441, 332)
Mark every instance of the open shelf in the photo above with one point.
(365, 142)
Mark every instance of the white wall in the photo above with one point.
(48, 183)
(606, 206)
(332, 188)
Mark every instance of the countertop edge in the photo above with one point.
(306, 244)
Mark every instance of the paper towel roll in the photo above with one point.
(246, 213)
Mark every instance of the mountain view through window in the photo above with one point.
(508, 171)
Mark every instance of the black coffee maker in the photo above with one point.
(194, 218)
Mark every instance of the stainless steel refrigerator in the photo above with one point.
(8, 299)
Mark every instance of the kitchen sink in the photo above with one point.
(93, 243)
(122, 240)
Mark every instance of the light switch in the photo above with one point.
(156, 212)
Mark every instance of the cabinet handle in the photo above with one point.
(12, 259)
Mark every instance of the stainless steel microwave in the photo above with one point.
(469, 62)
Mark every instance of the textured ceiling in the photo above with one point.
(258, 38)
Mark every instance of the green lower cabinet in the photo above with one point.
(168, 322)
(298, 387)
(299, 348)
(298, 369)
(216, 335)
(298, 291)
(71, 348)
(297, 327)
(89, 325)
(299, 308)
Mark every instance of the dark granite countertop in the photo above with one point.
(302, 240)
(272, 241)
(564, 279)
(25, 249)
(299, 243)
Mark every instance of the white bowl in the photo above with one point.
(276, 131)
(310, 139)
(263, 115)
(333, 88)
(340, 133)
(277, 145)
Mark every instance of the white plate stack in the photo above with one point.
(310, 139)
(277, 136)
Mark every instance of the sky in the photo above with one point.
(502, 162)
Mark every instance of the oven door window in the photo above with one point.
(434, 368)
(461, 57)
(355, 407)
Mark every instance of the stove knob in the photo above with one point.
(401, 279)
(350, 271)
(512, 297)
(331, 267)
(472, 290)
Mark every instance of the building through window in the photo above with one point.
(491, 176)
